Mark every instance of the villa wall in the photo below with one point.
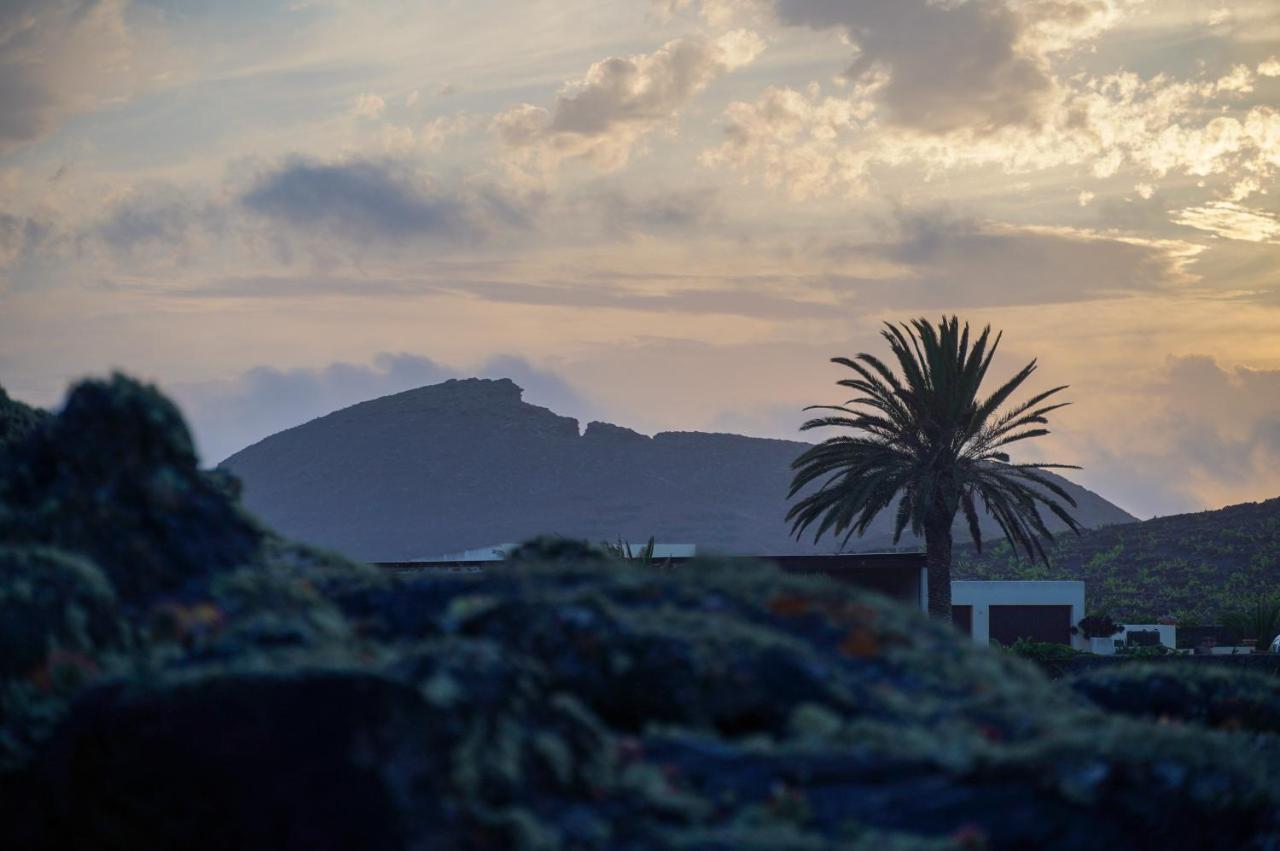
(1022, 607)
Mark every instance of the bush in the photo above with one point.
(553, 548)
(1153, 651)
(51, 602)
(1098, 626)
(1186, 691)
(1054, 658)
(1257, 619)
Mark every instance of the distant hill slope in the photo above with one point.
(468, 463)
(1189, 566)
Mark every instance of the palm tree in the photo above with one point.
(926, 439)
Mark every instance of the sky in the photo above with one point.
(668, 214)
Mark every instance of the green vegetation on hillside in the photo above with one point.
(1194, 568)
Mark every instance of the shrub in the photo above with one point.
(558, 549)
(1098, 626)
(1186, 691)
(1258, 619)
(50, 602)
(1052, 657)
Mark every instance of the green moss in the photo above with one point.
(52, 602)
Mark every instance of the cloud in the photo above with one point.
(796, 140)
(812, 144)
(614, 212)
(158, 221)
(365, 199)
(20, 235)
(954, 262)
(368, 200)
(602, 117)
(1181, 449)
(58, 57)
(227, 416)
(976, 66)
(1230, 220)
(714, 12)
(368, 105)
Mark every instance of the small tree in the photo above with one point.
(1258, 618)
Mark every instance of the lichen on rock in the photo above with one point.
(249, 692)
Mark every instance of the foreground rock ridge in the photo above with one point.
(468, 464)
(242, 691)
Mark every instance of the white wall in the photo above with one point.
(983, 595)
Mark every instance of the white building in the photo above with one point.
(1011, 609)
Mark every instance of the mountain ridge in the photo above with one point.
(468, 463)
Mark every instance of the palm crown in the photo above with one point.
(928, 437)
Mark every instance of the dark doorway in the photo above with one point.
(1038, 623)
(962, 617)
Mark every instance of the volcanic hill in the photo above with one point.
(468, 464)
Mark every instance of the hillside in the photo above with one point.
(468, 464)
(1189, 566)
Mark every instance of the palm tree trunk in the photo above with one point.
(937, 547)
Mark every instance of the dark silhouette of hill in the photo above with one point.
(1192, 567)
(468, 464)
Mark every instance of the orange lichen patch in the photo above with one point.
(791, 605)
(970, 836)
(860, 642)
(174, 622)
(846, 613)
(64, 668)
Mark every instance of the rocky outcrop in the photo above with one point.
(291, 699)
(114, 476)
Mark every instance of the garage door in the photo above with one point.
(1039, 623)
